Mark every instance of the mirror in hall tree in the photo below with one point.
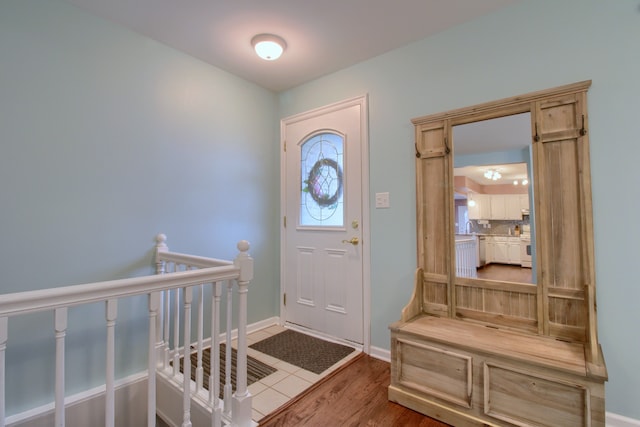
(493, 207)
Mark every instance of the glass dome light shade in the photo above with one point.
(268, 46)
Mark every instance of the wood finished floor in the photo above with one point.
(355, 396)
(509, 273)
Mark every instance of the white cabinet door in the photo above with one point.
(524, 201)
(474, 211)
(490, 249)
(482, 208)
(485, 206)
(512, 207)
(501, 252)
(513, 248)
(498, 210)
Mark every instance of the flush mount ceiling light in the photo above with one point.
(268, 46)
(493, 175)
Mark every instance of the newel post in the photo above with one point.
(242, 397)
(161, 246)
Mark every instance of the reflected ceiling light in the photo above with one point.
(523, 182)
(471, 202)
(493, 175)
(268, 46)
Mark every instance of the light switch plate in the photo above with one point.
(382, 200)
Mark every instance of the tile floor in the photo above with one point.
(287, 382)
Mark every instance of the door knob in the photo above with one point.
(354, 241)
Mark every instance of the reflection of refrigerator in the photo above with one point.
(481, 244)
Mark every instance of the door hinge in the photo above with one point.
(285, 299)
(284, 221)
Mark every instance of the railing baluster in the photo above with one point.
(214, 377)
(227, 357)
(60, 325)
(186, 402)
(111, 308)
(154, 306)
(176, 332)
(166, 329)
(4, 335)
(199, 369)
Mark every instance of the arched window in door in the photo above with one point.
(321, 165)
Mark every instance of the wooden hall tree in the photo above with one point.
(474, 352)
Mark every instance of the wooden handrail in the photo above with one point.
(69, 296)
(193, 260)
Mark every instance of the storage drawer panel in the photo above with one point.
(435, 371)
(526, 399)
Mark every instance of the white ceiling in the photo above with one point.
(322, 36)
(509, 172)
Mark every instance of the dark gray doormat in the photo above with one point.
(256, 370)
(304, 351)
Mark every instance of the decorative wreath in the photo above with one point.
(314, 187)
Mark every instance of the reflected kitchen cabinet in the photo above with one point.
(480, 208)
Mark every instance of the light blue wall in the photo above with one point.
(534, 45)
(107, 138)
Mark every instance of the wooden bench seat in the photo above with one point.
(465, 373)
(537, 350)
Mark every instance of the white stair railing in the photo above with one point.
(175, 272)
(466, 257)
(235, 408)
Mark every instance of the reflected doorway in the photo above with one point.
(493, 172)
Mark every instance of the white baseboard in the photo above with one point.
(262, 324)
(380, 353)
(615, 420)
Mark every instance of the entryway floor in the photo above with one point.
(287, 382)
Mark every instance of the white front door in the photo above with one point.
(323, 225)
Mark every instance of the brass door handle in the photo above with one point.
(354, 241)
